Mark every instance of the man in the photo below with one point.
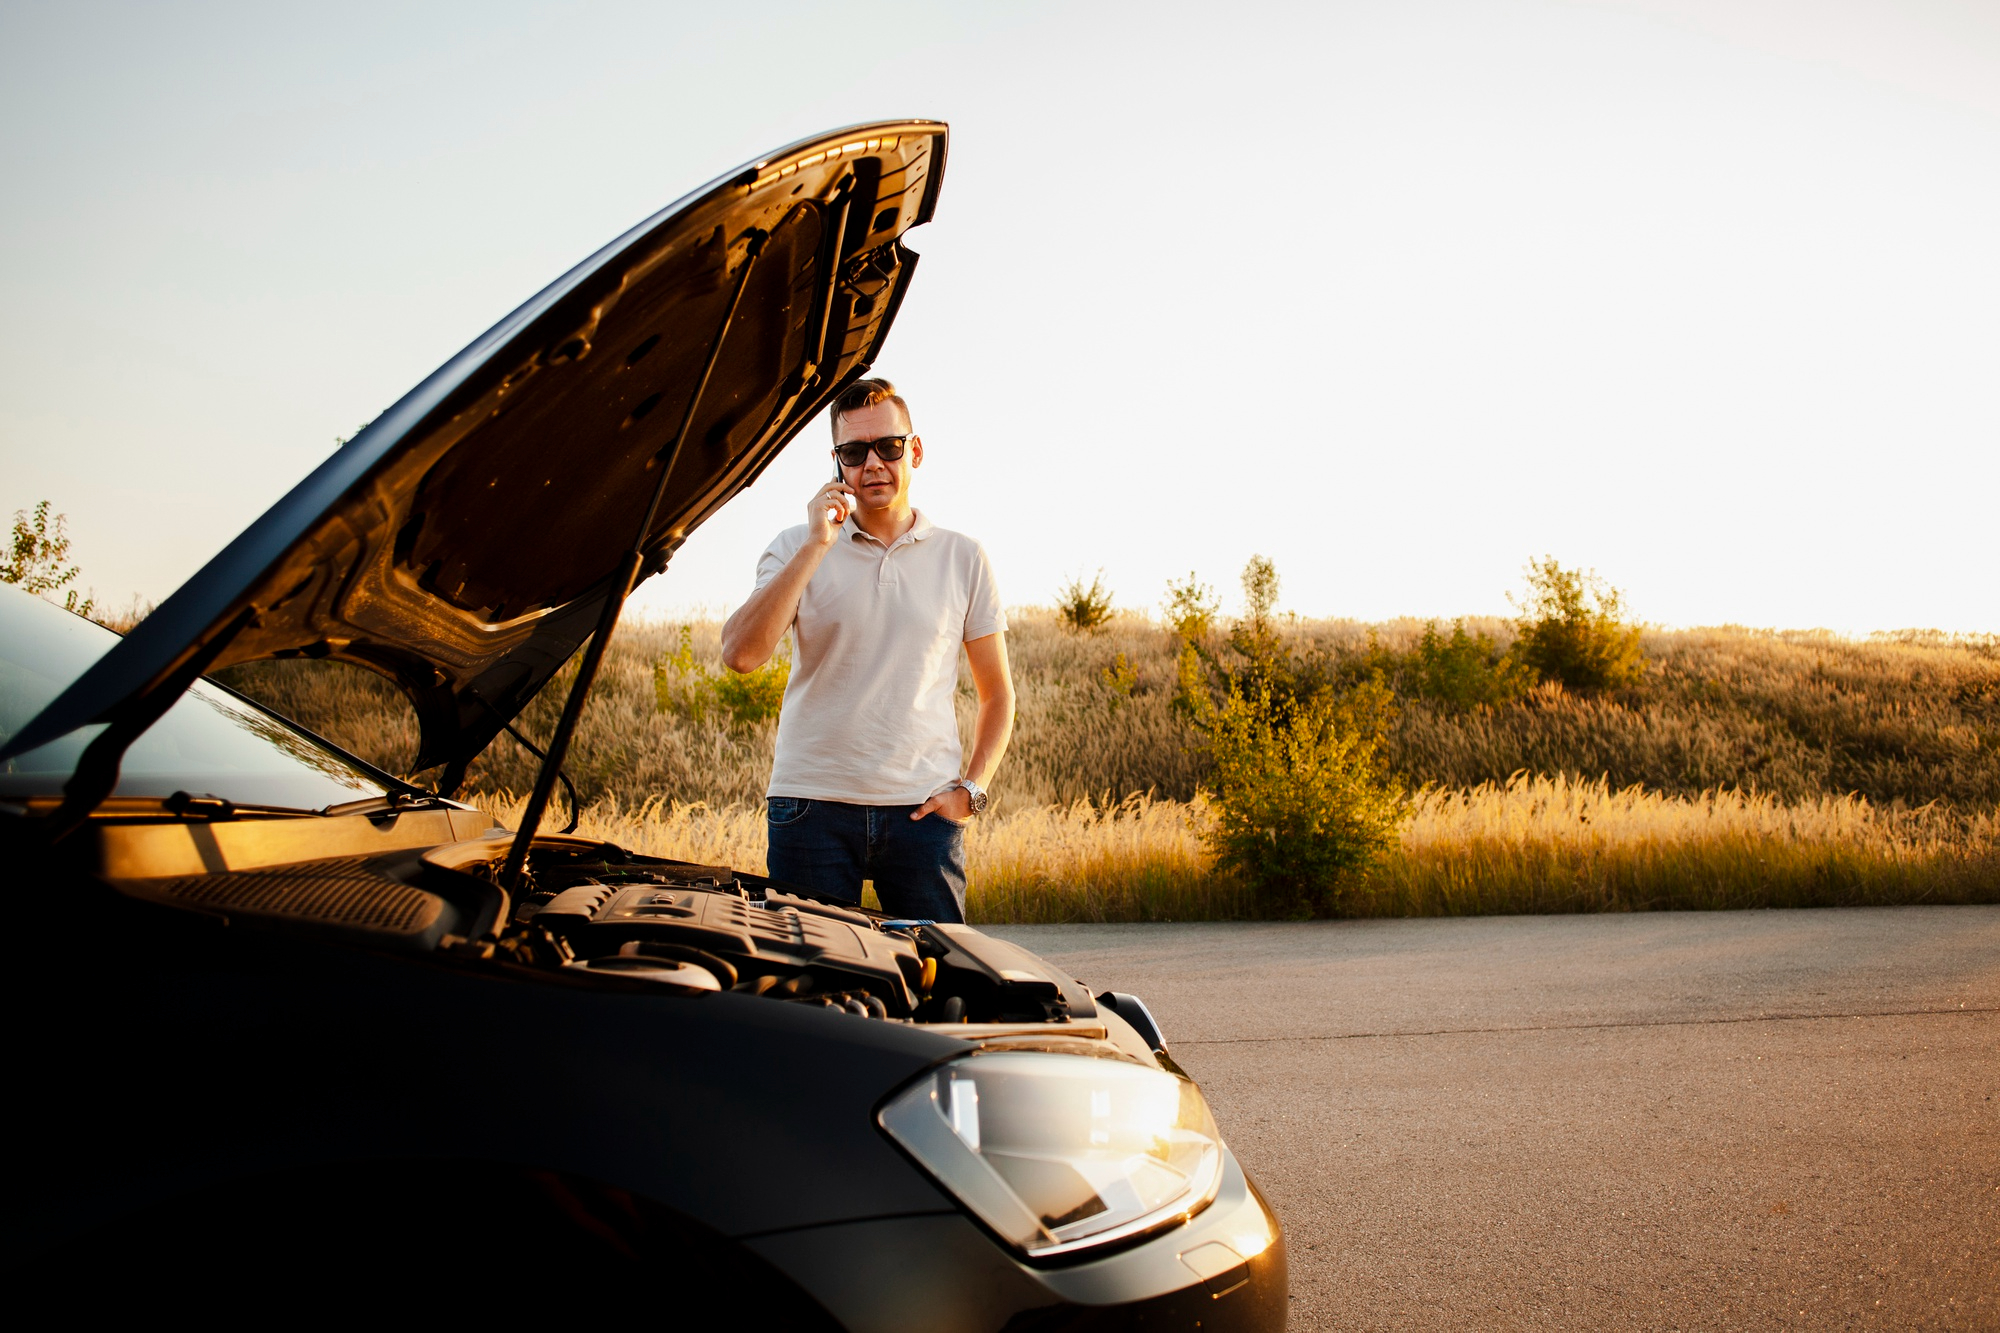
(867, 782)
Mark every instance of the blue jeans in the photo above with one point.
(829, 847)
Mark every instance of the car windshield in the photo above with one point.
(209, 743)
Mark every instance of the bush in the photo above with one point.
(683, 685)
(1085, 610)
(1464, 671)
(1572, 630)
(1301, 795)
(1300, 800)
(1119, 679)
(754, 696)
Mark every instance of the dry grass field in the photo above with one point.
(1747, 768)
(1533, 845)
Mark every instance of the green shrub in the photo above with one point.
(1301, 801)
(688, 687)
(1119, 679)
(755, 696)
(1464, 671)
(680, 684)
(1572, 630)
(1302, 797)
(1084, 610)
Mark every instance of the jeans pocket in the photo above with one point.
(784, 810)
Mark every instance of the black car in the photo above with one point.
(292, 1039)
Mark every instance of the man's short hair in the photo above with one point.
(866, 393)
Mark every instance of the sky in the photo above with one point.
(1701, 294)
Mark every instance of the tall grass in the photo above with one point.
(1139, 860)
(1531, 845)
(1538, 844)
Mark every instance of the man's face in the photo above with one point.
(879, 485)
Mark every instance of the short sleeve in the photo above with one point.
(983, 615)
(774, 559)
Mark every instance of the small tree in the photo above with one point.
(1256, 633)
(34, 560)
(1572, 630)
(1085, 610)
(1191, 609)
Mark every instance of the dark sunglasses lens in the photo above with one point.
(855, 452)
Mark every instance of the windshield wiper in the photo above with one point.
(212, 808)
(96, 772)
(395, 800)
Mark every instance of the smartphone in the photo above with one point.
(839, 475)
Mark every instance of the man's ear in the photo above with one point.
(916, 451)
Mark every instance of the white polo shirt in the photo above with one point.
(868, 715)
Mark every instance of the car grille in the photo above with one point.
(336, 893)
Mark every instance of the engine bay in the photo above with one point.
(596, 910)
(587, 912)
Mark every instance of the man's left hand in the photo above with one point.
(954, 803)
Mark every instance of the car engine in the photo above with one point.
(595, 910)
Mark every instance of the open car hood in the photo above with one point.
(464, 543)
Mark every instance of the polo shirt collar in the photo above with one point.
(920, 528)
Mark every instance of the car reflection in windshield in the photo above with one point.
(210, 742)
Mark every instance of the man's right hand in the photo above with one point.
(751, 635)
(827, 510)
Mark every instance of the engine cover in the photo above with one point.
(776, 936)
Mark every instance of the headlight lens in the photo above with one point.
(1061, 1152)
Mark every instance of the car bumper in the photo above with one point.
(1222, 1270)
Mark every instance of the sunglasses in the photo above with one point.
(855, 452)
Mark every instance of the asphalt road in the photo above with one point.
(1650, 1121)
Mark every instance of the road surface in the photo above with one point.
(1647, 1121)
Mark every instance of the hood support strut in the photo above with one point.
(622, 580)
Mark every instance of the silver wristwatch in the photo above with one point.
(977, 793)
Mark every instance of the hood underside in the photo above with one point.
(465, 541)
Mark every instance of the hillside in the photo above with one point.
(1793, 716)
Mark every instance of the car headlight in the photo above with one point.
(1058, 1153)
